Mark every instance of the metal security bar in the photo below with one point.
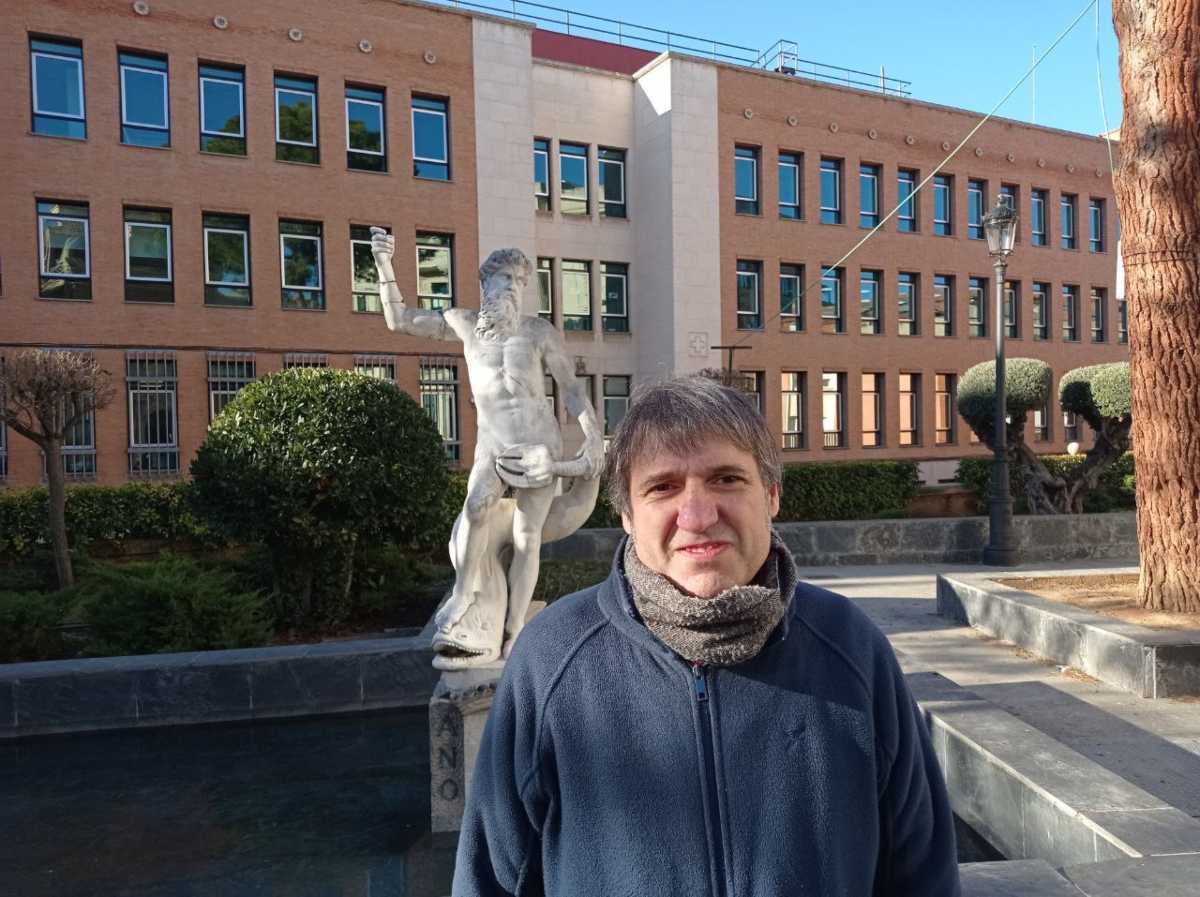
(382, 367)
(151, 379)
(228, 373)
(438, 384)
(783, 56)
(305, 360)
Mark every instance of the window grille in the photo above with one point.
(305, 360)
(228, 372)
(152, 380)
(438, 386)
(382, 367)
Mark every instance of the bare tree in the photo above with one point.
(42, 395)
(1157, 185)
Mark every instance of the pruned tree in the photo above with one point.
(1097, 393)
(1156, 189)
(43, 394)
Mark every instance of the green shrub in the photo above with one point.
(1097, 392)
(1114, 493)
(29, 625)
(558, 578)
(850, 490)
(111, 513)
(1026, 387)
(170, 604)
(315, 463)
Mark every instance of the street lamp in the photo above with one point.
(1000, 225)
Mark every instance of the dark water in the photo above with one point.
(328, 807)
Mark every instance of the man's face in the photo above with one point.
(703, 519)
(505, 281)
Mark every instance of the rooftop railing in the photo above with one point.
(783, 56)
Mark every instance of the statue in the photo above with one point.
(513, 501)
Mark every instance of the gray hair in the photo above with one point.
(506, 258)
(679, 416)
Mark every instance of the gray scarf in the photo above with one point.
(731, 627)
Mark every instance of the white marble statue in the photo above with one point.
(513, 501)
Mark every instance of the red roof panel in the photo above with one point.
(596, 54)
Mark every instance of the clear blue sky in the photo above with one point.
(955, 53)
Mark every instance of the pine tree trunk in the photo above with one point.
(1157, 187)
(56, 480)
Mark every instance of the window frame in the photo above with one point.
(746, 205)
(946, 322)
(136, 386)
(619, 163)
(839, 440)
(943, 184)
(1041, 290)
(363, 307)
(432, 301)
(910, 177)
(317, 291)
(1070, 301)
(541, 146)
(87, 246)
(873, 172)
(241, 86)
(430, 387)
(1038, 198)
(793, 440)
(1098, 302)
(839, 321)
(620, 321)
(312, 117)
(976, 207)
(977, 299)
(1012, 309)
(164, 73)
(380, 105)
(794, 161)
(617, 399)
(77, 60)
(874, 277)
(794, 273)
(831, 214)
(910, 438)
(1096, 215)
(577, 322)
(873, 437)
(945, 388)
(444, 115)
(218, 385)
(548, 270)
(754, 268)
(912, 281)
(1068, 212)
(567, 205)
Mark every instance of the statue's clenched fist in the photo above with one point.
(383, 245)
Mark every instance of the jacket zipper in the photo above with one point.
(700, 680)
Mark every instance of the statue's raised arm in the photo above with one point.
(400, 318)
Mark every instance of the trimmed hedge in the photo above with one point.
(1115, 492)
(847, 490)
(1097, 392)
(111, 513)
(1027, 383)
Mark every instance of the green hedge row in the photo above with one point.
(1115, 492)
(111, 513)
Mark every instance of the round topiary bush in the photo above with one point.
(1026, 387)
(1098, 392)
(312, 462)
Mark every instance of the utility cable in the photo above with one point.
(954, 152)
(1103, 114)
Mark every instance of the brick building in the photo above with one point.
(188, 190)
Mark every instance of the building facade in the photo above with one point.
(189, 193)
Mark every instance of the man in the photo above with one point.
(702, 723)
(505, 353)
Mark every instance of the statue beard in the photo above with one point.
(499, 313)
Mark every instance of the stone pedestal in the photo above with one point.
(457, 713)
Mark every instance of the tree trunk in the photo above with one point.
(1157, 185)
(56, 480)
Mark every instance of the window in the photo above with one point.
(612, 182)
(300, 264)
(868, 195)
(148, 275)
(977, 306)
(745, 180)
(1070, 426)
(64, 259)
(791, 298)
(145, 105)
(832, 410)
(79, 447)
(573, 183)
(545, 283)
(226, 259)
(431, 138)
(910, 409)
(943, 205)
(541, 174)
(943, 305)
(438, 386)
(831, 300)
(381, 367)
(151, 380)
(1011, 195)
(790, 185)
(305, 360)
(1066, 207)
(1041, 311)
(364, 276)
(1099, 300)
(577, 295)
(616, 403)
(976, 208)
(366, 149)
(1037, 218)
(791, 387)
(551, 390)
(872, 410)
(56, 77)
(869, 304)
(296, 120)
(754, 381)
(906, 190)
(435, 271)
(228, 372)
(1012, 309)
(1070, 298)
(749, 295)
(944, 389)
(222, 110)
(908, 319)
(831, 191)
(1041, 423)
(1096, 225)
(1122, 321)
(614, 315)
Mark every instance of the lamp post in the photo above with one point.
(1000, 226)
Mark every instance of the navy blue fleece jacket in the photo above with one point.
(611, 767)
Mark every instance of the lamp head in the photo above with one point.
(1000, 226)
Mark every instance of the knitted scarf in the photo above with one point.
(728, 629)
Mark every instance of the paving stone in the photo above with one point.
(1014, 878)
(1152, 832)
(1170, 876)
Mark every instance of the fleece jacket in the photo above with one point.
(610, 767)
